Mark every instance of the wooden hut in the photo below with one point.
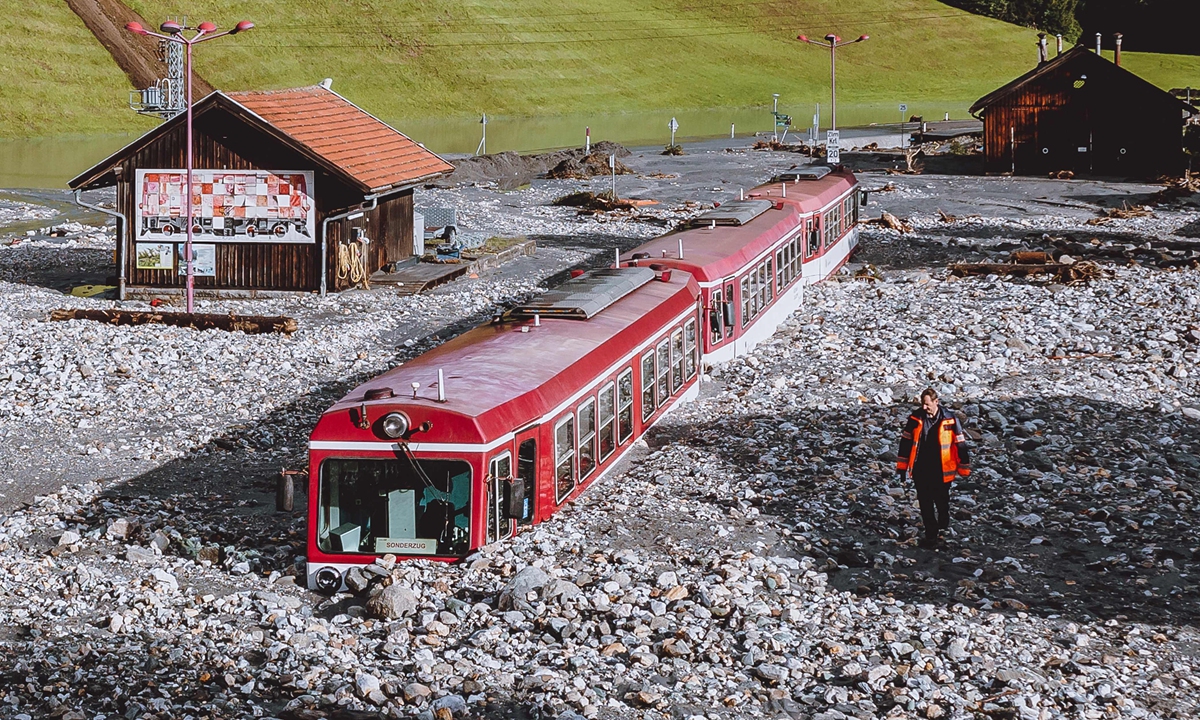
(293, 190)
(1083, 113)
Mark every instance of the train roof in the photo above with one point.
(712, 253)
(508, 374)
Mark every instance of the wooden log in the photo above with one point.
(285, 491)
(249, 324)
(1032, 257)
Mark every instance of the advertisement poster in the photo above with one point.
(204, 260)
(155, 256)
(227, 206)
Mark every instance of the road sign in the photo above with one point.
(903, 108)
(833, 152)
(612, 161)
(674, 125)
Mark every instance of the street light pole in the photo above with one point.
(173, 32)
(834, 42)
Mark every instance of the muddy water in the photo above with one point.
(51, 162)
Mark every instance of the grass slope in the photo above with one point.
(407, 59)
(55, 78)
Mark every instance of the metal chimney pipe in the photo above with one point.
(680, 248)
(1097, 43)
(441, 386)
(1117, 54)
(1058, 50)
(1042, 52)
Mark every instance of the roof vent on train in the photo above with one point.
(585, 296)
(734, 212)
(808, 172)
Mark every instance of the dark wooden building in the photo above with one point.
(1083, 113)
(293, 190)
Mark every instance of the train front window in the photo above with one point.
(394, 506)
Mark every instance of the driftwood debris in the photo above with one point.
(890, 221)
(249, 324)
(1029, 263)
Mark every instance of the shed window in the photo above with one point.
(607, 421)
(647, 385)
(564, 458)
(587, 438)
(624, 405)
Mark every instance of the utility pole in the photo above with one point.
(173, 32)
(834, 42)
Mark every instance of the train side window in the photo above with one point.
(689, 348)
(676, 361)
(781, 263)
(607, 421)
(664, 371)
(624, 405)
(527, 473)
(587, 438)
(714, 318)
(812, 241)
(499, 526)
(647, 385)
(746, 301)
(730, 321)
(769, 284)
(564, 457)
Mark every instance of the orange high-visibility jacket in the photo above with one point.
(955, 459)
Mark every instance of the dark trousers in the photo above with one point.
(934, 495)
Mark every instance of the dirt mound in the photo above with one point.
(596, 163)
(510, 170)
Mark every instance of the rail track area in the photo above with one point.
(756, 559)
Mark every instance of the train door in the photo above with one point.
(527, 479)
(505, 501)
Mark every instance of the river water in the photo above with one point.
(51, 162)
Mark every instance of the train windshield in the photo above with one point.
(395, 506)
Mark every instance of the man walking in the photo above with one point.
(932, 447)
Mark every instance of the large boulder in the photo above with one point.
(525, 581)
(393, 602)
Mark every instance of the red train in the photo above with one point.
(503, 425)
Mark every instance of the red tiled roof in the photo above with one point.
(365, 148)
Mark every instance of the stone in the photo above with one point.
(365, 683)
(393, 602)
(525, 581)
(69, 537)
(416, 693)
(119, 529)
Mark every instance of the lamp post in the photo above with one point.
(834, 42)
(174, 32)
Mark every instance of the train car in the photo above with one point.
(502, 425)
(752, 257)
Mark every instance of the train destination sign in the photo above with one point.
(248, 206)
(406, 546)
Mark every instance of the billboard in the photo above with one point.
(258, 206)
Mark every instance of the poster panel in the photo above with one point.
(260, 206)
(204, 260)
(155, 256)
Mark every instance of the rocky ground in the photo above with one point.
(758, 558)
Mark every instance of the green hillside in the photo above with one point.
(404, 59)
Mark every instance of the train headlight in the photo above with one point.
(394, 425)
(328, 580)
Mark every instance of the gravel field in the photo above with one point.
(755, 559)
